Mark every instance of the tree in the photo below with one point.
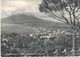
(4, 48)
(49, 45)
(66, 11)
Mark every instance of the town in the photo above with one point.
(47, 42)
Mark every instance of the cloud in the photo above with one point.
(29, 7)
(9, 7)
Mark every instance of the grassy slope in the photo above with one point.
(17, 29)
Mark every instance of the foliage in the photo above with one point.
(29, 44)
(58, 9)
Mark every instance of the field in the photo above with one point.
(9, 28)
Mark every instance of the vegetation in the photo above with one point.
(16, 43)
(66, 11)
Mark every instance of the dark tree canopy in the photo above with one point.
(63, 7)
(57, 4)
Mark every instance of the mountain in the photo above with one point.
(32, 21)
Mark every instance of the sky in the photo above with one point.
(27, 7)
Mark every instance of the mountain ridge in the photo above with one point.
(31, 21)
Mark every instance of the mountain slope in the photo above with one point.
(32, 21)
(9, 28)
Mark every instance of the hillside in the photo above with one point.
(32, 21)
(9, 28)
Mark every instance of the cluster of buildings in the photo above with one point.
(48, 33)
